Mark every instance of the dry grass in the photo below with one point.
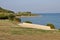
(10, 31)
(7, 23)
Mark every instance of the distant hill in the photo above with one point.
(5, 10)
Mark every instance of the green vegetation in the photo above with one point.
(6, 14)
(9, 30)
(51, 25)
(28, 22)
(2, 10)
(11, 17)
(2, 16)
(21, 30)
(18, 19)
(26, 14)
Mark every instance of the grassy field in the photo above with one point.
(11, 31)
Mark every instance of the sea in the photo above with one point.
(44, 19)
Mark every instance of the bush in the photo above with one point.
(18, 19)
(28, 22)
(7, 16)
(11, 16)
(51, 26)
(2, 16)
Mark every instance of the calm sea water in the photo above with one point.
(44, 19)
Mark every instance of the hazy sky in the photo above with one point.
(35, 6)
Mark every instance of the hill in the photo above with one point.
(4, 13)
(5, 10)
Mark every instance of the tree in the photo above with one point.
(51, 26)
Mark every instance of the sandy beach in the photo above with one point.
(28, 25)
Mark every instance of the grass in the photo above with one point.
(11, 31)
(19, 30)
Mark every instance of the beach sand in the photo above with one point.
(28, 25)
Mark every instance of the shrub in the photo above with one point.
(51, 26)
(11, 16)
(2, 16)
(7, 16)
(18, 19)
(28, 22)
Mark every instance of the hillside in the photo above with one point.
(4, 13)
(5, 10)
(11, 31)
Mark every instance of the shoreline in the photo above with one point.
(29, 16)
(36, 26)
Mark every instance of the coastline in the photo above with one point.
(36, 26)
(30, 16)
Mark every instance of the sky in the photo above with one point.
(35, 6)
